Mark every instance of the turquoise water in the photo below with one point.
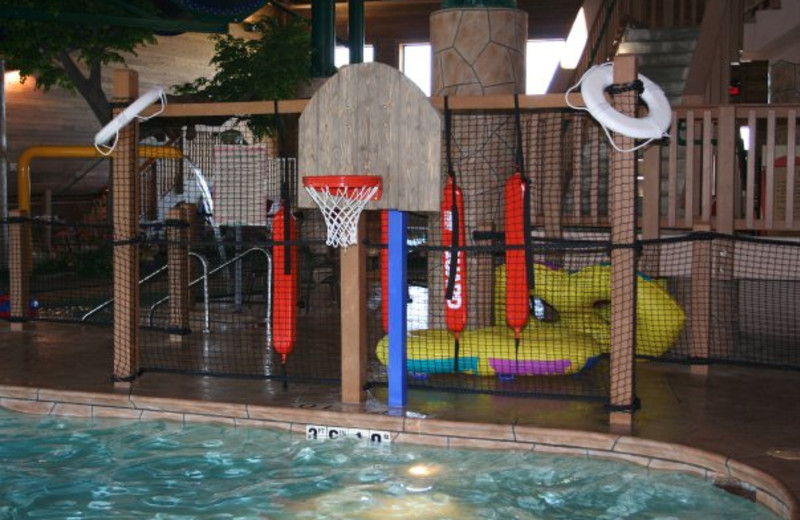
(59, 468)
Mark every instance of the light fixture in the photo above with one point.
(11, 78)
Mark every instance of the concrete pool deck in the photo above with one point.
(738, 426)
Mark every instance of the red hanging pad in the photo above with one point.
(517, 310)
(456, 306)
(284, 287)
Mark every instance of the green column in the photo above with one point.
(355, 32)
(323, 37)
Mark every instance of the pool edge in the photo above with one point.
(768, 490)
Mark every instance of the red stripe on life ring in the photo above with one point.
(517, 310)
(456, 306)
(284, 287)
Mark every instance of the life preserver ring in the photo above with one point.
(109, 131)
(652, 126)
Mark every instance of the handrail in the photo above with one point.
(221, 266)
(602, 33)
(111, 300)
(152, 275)
(204, 278)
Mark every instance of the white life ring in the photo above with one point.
(110, 131)
(652, 126)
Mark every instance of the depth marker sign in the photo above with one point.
(318, 433)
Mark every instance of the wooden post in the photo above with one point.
(700, 298)
(353, 300)
(623, 268)
(178, 268)
(726, 322)
(651, 210)
(125, 231)
(20, 259)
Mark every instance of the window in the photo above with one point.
(541, 61)
(415, 62)
(576, 41)
(542, 58)
(341, 55)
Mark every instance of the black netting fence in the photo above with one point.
(536, 286)
(72, 271)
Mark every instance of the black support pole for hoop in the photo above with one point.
(398, 292)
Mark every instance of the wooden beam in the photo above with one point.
(296, 106)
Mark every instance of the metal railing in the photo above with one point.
(204, 279)
(207, 274)
(203, 263)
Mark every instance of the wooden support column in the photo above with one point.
(724, 287)
(651, 210)
(622, 399)
(353, 267)
(20, 263)
(700, 303)
(178, 268)
(125, 221)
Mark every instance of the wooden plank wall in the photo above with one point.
(62, 118)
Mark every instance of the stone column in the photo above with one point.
(476, 51)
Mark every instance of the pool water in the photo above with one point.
(59, 468)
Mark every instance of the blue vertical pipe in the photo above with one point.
(398, 297)
(355, 30)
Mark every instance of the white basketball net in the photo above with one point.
(341, 207)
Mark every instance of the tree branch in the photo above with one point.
(90, 88)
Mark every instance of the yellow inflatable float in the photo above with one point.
(582, 301)
(578, 335)
(544, 349)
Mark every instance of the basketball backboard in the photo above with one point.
(370, 119)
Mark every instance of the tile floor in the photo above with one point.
(746, 414)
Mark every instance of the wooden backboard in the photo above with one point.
(369, 119)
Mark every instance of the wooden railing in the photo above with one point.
(705, 176)
(707, 160)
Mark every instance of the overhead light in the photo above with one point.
(576, 41)
(11, 78)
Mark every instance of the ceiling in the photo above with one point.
(388, 20)
(407, 20)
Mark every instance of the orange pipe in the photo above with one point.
(72, 152)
